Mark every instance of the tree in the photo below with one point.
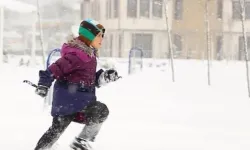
(41, 33)
(208, 40)
(243, 18)
(169, 40)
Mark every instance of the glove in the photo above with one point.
(42, 90)
(111, 75)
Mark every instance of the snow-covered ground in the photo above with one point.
(147, 110)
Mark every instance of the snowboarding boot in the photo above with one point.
(80, 144)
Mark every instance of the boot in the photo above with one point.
(80, 144)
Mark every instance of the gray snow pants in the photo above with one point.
(96, 114)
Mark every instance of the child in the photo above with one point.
(74, 97)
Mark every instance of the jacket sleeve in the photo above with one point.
(62, 66)
(58, 69)
(45, 78)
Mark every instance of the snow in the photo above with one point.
(147, 110)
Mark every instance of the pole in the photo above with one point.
(208, 42)
(243, 18)
(33, 49)
(1, 33)
(41, 33)
(169, 42)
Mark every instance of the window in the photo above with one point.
(132, 8)
(104, 52)
(82, 10)
(144, 8)
(95, 10)
(237, 10)
(219, 9)
(116, 8)
(143, 41)
(219, 45)
(112, 8)
(120, 45)
(177, 44)
(111, 45)
(92, 14)
(178, 8)
(241, 47)
(247, 10)
(108, 9)
(157, 8)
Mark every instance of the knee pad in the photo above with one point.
(96, 112)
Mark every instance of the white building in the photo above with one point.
(18, 7)
(232, 29)
(131, 23)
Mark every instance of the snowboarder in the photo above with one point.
(74, 96)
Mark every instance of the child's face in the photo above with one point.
(97, 42)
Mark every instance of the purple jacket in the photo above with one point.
(75, 74)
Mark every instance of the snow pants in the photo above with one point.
(92, 116)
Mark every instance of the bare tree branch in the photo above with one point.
(41, 33)
(208, 41)
(243, 18)
(169, 40)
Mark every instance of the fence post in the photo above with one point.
(131, 52)
(48, 99)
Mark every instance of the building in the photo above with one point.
(131, 23)
(232, 28)
(11, 38)
(189, 28)
(142, 23)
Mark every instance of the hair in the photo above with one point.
(85, 40)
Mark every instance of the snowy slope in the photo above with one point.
(147, 110)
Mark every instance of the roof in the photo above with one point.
(18, 6)
(12, 34)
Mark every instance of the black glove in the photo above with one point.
(42, 90)
(111, 75)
